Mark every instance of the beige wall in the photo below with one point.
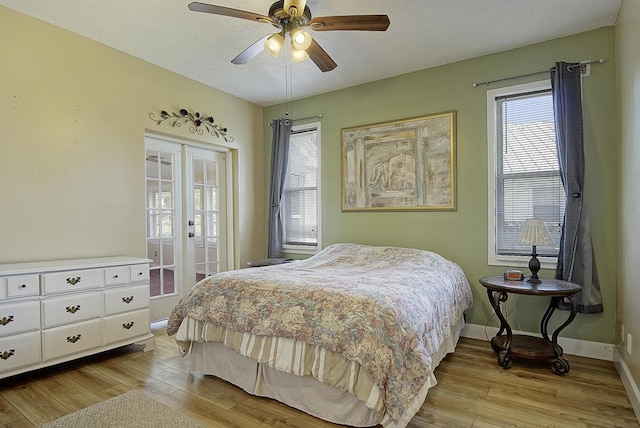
(462, 235)
(73, 115)
(628, 54)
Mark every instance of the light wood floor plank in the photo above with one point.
(132, 378)
(98, 383)
(10, 416)
(34, 404)
(216, 391)
(72, 395)
(472, 392)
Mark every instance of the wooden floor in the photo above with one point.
(472, 391)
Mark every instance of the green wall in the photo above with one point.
(461, 235)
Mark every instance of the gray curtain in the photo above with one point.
(280, 133)
(575, 260)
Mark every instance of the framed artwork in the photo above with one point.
(402, 165)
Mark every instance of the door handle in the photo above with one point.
(190, 223)
(191, 234)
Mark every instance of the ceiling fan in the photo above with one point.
(293, 17)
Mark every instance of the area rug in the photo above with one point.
(133, 409)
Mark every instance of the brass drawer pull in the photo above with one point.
(127, 300)
(127, 325)
(5, 320)
(6, 354)
(74, 339)
(73, 309)
(73, 281)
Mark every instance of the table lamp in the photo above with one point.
(534, 232)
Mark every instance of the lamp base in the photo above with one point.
(534, 267)
(534, 279)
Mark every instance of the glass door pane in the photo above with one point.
(163, 213)
(206, 235)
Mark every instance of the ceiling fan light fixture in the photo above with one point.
(290, 17)
(295, 8)
(298, 55)
(273, 44)
(301, 39)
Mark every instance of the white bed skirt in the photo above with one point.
(304, 393)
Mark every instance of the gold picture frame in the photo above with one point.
(402, 165)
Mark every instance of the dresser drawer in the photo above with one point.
(125, 299)
(19, 351)
(72, 308)
(117, 275)
(140, 273)
(71, 339)
(23, 285)
(19, 317)
(123, 326)
(61, 282)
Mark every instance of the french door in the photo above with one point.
(186, 209)
(206, 214)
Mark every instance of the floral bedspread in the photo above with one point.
(387, 308)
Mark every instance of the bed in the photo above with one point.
(351, 335)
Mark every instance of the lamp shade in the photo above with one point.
(535, 232)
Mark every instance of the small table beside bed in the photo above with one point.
(351, 335)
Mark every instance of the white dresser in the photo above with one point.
(56, 311)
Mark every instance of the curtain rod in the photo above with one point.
(317, 116)
(582, 64)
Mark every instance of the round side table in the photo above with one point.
(524, 346)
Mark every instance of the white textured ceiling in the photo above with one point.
(422, 34)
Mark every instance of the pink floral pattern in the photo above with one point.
(387, 308)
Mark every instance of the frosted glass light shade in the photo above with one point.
(535, 232)
(273, 44)
(300, 39)
(298, 55)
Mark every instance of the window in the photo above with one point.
(302, 190)
(524, 177)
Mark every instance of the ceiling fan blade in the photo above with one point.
(249, 53)
(350, 22)
(320, 57)
(227, 11)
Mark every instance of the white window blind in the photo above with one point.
(527, 177)
(301, 189)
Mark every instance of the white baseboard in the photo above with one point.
(583, 348)
(629, 383)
